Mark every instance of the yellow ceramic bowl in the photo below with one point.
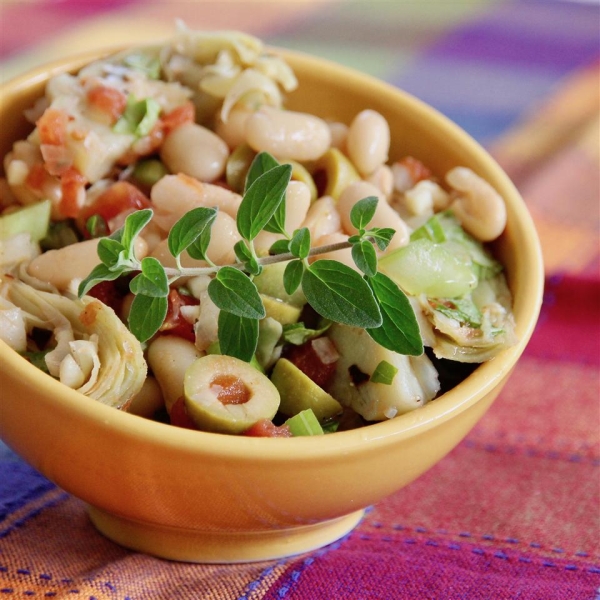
(205, 497)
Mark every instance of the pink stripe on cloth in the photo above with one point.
(34, 22)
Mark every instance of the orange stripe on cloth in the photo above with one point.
(53, 550)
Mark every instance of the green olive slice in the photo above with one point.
(223, 394)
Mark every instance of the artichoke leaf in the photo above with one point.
(118, 371)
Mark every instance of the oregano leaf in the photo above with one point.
(340, 294)
(399, 330)
(152, 281)
(238, 336)
(134, 223)
(189, 227)
(98, 274)
(262, 163)
(280, 247)
(261, 200)
(382, 236)
(146, 315)
(292, 276)
(365, 258)
(110, 251)
(300, 243)
(233, 291)
(363, 211)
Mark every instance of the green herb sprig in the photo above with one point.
(338, 293)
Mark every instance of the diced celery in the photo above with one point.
(384, 373)
(424, 267)
(304, 423)
(33, 219)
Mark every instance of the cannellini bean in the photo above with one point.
(287, 134)
(322, 217)
(224, 235)
(383, 179)
(60, 267)
(477, 205)
(339, 134)
(368, 142)
(297, 203)
(425, 198)
(169, 356)
(195, 151)
(148, 400)
(174, 195)
(385, 215)
(233, 131)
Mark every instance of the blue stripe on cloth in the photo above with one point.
(20, 483)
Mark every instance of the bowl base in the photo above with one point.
(190, 545)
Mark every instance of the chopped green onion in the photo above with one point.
(304, 423)
(150, 65)
(384, 373)
(148, 172)
(432, 230)
(96, 226)
(139, 117)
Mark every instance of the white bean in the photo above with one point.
(60, 267)
(195, 151)
(385, 215)
(322, 217)
(148, 400)
(174, 195)
(233, 131)
(478, 206)
(383, 179)
(169, 356)
(339, 134)
(287, 134)
(368, 142)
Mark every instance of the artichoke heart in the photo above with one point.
(89, 338)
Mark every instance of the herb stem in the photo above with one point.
(264, 261)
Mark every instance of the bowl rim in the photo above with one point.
(481, 382)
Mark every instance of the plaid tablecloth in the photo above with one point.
(513, 511)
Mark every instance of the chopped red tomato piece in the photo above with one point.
(175, 323)
(72, 185)
(108, 100)
(416, 169)
(179, 415)
(309, 358)
(52, 127)
(186, 113)
(266, 428)
(37, 177)
(120, 197)
(107, 292)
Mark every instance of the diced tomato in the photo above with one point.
(186, 113)
(120, 197)
(307, 359)
(416, 169)
(107, 292)
(175, 323)
(109, 100)
(266, 428)
(179, 415)
(37, 177)
(52, 127)
(72, 185)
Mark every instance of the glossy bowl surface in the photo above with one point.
(205, 497)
